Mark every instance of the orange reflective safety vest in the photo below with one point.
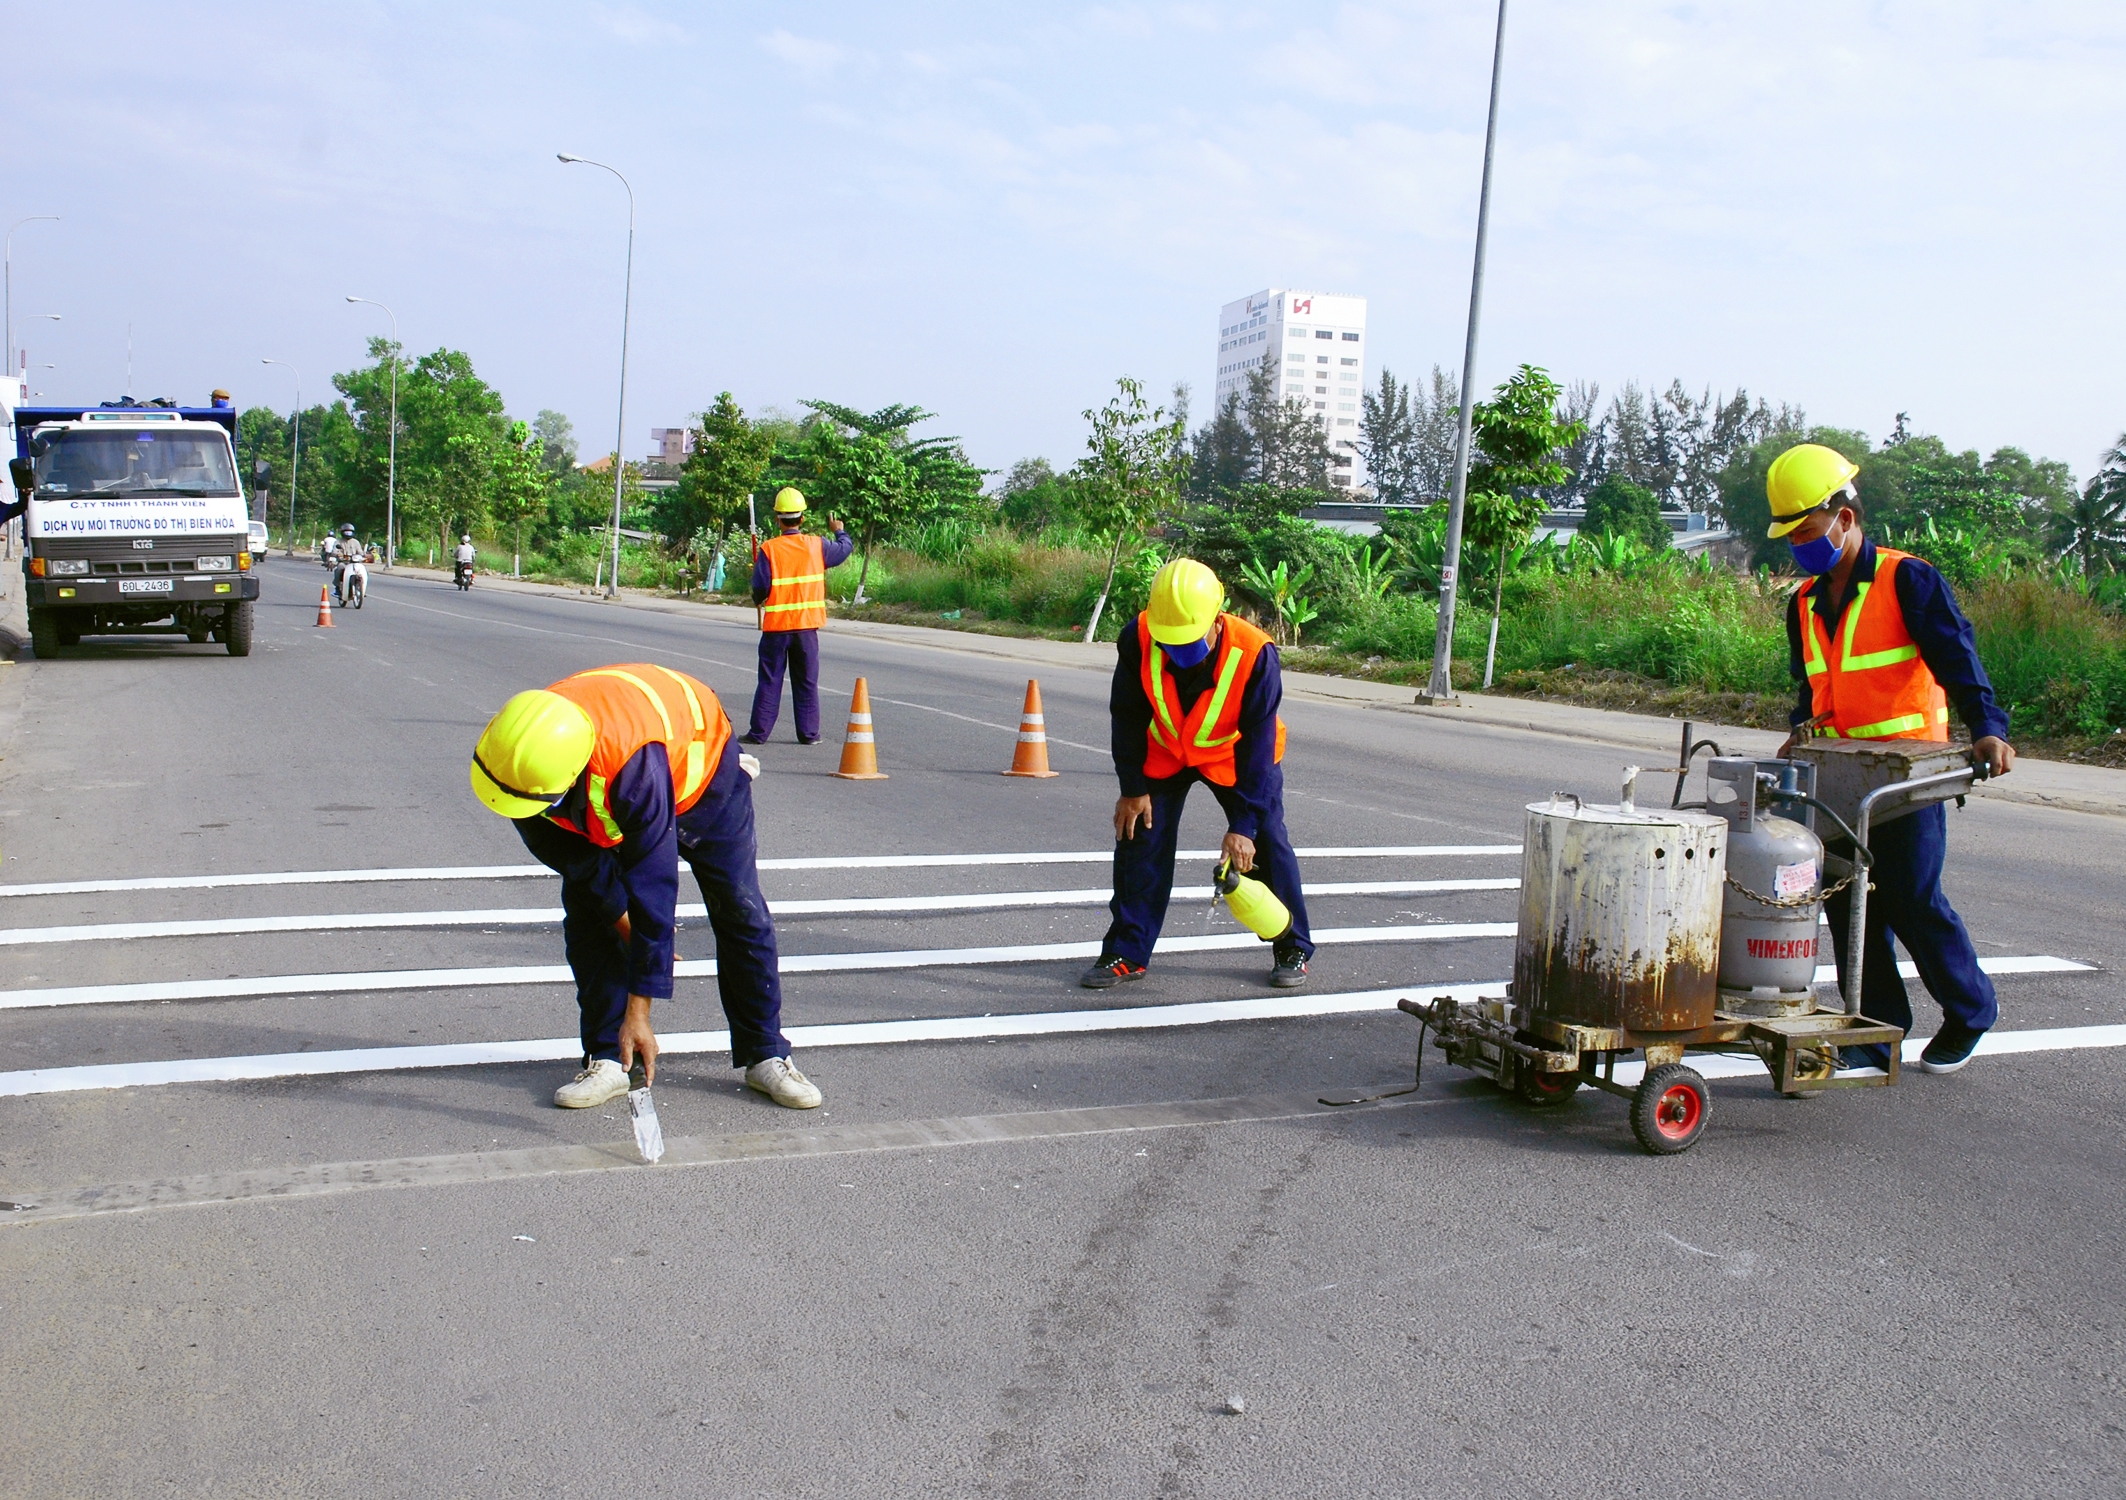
(1202, 739)
(1869, 683)
(797, 587)
(635, 705)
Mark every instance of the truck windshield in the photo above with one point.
(123, 462)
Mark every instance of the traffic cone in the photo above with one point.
(859, 752)
(1030, 758)
(324, 607)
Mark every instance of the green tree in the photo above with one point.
(1131, 476)
(1034, 497)
(2093, 527)
(729, 459)
(1616, 506)
(1518, 439)
(521, 485)
(557, 441)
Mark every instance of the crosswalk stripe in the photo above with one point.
(888, 1033)
(812, 963)
(526, 916)
(413, 874)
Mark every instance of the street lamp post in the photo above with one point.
(391, 472)
(32, 219)
(627, 298)
(1441, 687)
(295, 471)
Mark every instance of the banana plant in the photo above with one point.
(1282, 589)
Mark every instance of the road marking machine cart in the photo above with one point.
(1695, 928)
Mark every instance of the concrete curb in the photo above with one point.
(2037, 783)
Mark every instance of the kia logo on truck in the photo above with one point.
(144, 544)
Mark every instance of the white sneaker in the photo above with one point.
(601, 1081)
(778, 1078)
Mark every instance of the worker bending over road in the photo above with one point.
(790, 586)
(1879, 648)
(1195, 698)
(612, 777)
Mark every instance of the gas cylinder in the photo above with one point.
(1253, 903)
(1768, 952)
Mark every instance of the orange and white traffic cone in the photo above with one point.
(859, 751)
(1031, 756)
(324, 607)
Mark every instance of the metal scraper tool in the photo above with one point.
(642, 1109)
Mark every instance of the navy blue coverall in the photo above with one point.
(1254, 803)
(798, 650)
(639, 879)
(1907, 900)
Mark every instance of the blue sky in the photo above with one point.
(994, 211)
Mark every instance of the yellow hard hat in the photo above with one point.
(789, 502)
(1186, 598)
(531, 753)
(1801, 479)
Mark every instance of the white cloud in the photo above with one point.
(809, 56)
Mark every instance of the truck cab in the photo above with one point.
(136, 523)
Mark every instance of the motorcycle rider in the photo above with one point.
(465, 554)
(343, 556)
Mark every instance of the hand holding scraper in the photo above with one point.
(638, 1054)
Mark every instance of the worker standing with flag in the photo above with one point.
(790, 586)
(612, 777)
(1878, 649)
(1195, 698)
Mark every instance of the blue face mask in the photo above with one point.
(1189, 654)
(1817, 557)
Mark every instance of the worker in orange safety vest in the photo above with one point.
(612, 777)
(1195, 698)
(1878, 650)
(790, 586)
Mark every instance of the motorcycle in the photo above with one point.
(463, 576)
(351, 581)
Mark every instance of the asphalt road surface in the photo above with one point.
(317, 1236)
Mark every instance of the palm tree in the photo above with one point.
(2094, 527)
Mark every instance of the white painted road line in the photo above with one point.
(850, 862)
(892, 1033)
(531, 916)
(813, 963)
(557, 1049)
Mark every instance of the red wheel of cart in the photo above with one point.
(1669, 1111)
(1539, 1088)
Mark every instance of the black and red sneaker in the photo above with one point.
(1109, 972)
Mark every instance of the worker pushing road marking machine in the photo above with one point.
(1694, 928)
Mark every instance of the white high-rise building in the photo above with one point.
(1314, 343)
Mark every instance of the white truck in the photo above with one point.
(136, 523)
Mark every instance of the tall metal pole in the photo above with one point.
(12, 367)
(391, 472)
(296, 468)
(1441, 687)
(627, 299)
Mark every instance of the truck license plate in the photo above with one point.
(146, 585)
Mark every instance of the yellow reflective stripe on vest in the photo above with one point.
(648, 692)
(1172, 738)
(697, 749)
(595, 787)
(1897, 725)
(782, 578)
(1225, 685)
(1847, 661)
(773, 609)
(1812, 661)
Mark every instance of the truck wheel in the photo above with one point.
(236, 628)
(44, 633)
(1669, 1111)
(69, 632)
